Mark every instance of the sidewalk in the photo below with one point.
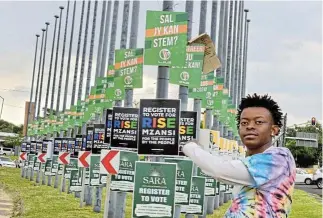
(6, 205)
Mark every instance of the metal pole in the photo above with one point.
(56, 60)
(77, 55)
(99, 55)
(240, 46)
(245, 56)
(114, 27)
(50, 67)
(234, 52)
(69, 59)
(39, 68)
(105, 40)
(58, 99)
(32, 82)
(1, 106)
(79, 95)
(228, 53)
(225, 43)
(89, 71)
(42, 73)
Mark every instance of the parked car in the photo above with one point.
(6, 151)
(303, 177)
(317, 177)
(6, 162)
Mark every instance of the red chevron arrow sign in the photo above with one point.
(64, 158)
(42, 157)
(84, 159)
(23, 156)
(109, 162)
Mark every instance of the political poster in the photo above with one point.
(190, 74)
(95, 170)
(210, 183)
(64, 145)
(89, 137)
(75, 181)
(78, 144)
(46, 144)
(33, 145)
(196, 205)
(108, 125)
(154, 190)
(23, 146)
(54, 164)
(187, 129)
(71, 166)
(28, 145)
(124, 128)
(98, 138)
(159, 127)
(124, 180)
(57, 145)
(71, 145)
(183, 181)
(129, 66)
(165, 38)
(48, 167)
(39, 145)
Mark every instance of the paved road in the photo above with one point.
(310, 189)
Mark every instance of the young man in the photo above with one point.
(267, 175)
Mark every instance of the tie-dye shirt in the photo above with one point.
(274, 174)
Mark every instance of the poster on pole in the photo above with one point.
(33, 145)
(23, 146)
(75, 181)
(210, 183)
(57, 145)
(108, 125)
(64, 144)
(48, 167)
(165, 38)
(190, 74)
(159, 127)
(124, 180)
(71, 166)
(71, 146)
(95, 170)
(129, 66)
(28, 147)
(183, 181)
(154, 190)
(98, 138)
(124, 128)
(78, 145)
(196, 206)
(187, 129)
(89, 137)
(46, 143)
(54, 164)
(39, 146)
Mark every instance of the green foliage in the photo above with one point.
(10, 127)
(13, 141)
(305, 156)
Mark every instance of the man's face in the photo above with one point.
(256, 127)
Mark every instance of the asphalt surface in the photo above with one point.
(312, 189)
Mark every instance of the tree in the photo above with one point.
(10, 127)
(13, 141)
(305, 156)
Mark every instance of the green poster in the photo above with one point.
(42, 167)
(197, 196)
(165, 38)
(129, 66)
(31, 158)
(75, 181)
(87, 175)
(154, 191)
(184, 180)
(115, 89)
(205, 90)
(60, 169)
(210, 183)
(190, 74)
(95, 170)
(54, 164)
(48, 167)
(36, 164)
(71, 166)
(124, 180)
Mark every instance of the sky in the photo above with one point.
(284, 52)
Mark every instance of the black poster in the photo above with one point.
(108, 125)
(28, 147)
(39, 146)
(71, 146)
(57, 145)
(64, 144)
(98, 138)
(23, 146)
(187, 129)
(89, 137)
(78, 144)
(124, 127)
(33, 146)
(159, 127)
(46, 143)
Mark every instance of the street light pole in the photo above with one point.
(1, 106)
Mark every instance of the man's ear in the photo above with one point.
(274, 130)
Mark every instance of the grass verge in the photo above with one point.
(34, 200)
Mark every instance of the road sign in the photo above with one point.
(84, 159)
(109, 162)
(64, 158)
(23, 156)
(41, 157)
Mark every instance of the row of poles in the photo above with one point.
(231, 43)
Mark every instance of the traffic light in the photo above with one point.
(313, 121)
